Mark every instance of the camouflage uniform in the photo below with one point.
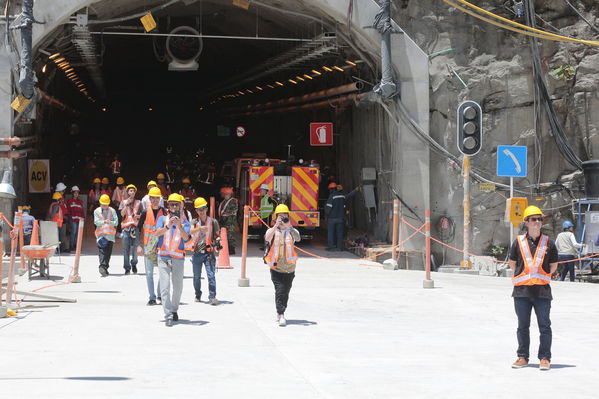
(227, 217)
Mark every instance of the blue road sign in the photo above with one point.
(512, 160)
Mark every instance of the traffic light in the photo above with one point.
(470, 128)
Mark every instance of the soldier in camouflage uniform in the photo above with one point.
(227, 215)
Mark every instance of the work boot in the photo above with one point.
(151, 302)
(521, 362)
(545, 364)
(127, 271)
(282, 321)
(159, 301)
(103, 271)
(213, 302)
(169, 322)
(134, 269)
(198, 299)
(175, 316)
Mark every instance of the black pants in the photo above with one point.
(282, 283)
(542, 309)
(105, 254)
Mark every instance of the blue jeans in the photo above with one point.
(209, 263)
(149, 265)
(335, 233)
(129, 249)
(567, 267)
(74, 231)
(542, 308)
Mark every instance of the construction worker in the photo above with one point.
(147, 223)
(56, 214)
(145, 201)
(28, 222)
(119, 193)
(76, 213)
(227, 216)
(106, 187)
(281, 258)
(130, 210)
(173, 232)
(267, 204)
(164, 188)
(205, 241)
(105, 220)
(185, 214)
(93, 197)
(62, 231)
(115, 167)
(567, 250)
(188, 193)
(335, 213)
(533, 259)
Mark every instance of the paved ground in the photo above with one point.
(354, 331)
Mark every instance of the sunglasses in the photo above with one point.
(535, 219)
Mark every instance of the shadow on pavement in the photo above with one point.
(69, 378)
(192, 322)
(301, 322)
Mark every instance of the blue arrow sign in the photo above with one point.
(512, 160)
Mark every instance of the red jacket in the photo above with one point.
(75, 207)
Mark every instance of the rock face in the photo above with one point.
(474, 60)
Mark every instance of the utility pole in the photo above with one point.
(465, 263)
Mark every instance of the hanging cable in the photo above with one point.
(582, 16)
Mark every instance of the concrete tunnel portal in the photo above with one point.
(208, 68)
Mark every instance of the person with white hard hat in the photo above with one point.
(567, 249)
(76, 213)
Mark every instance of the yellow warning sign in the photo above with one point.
(487, 187)
(245, 4)
(39, 175)
(20, 103)
(148, 22)
(514, 210)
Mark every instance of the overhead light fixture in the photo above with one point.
(249, 91)
(6, 188)
(348, 62)
(279, 83)
(326, 68)
(54, 56)
(292, 81)
(70, 75)
(308, 76)
(44, 68)
(63, 64)
(104, 109)
(69, 70)
(58, 60)
(337, 68)
(259, 88)
(271, 86)
(150, 109)
(300, 78)
(240, 92)
(316, 72)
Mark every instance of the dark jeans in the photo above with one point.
(105, 254)
(74, 231)
(335, 232)
(209, 263)
(282, 283)
(130, 249)
(542, 308)
(567, 267)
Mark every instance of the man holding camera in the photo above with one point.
(205, 241)
(130, 212)
(173, 232)
(281, 258)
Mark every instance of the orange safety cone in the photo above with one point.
(223, 254)
(35, 235)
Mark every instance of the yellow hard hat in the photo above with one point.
(181, 198)
(56, 196)
(120, 180)
(199, 203)
(531, 211)
(155, 192)
(105, 180)
(131, 186)
(104, 199)
(174, 198)
(151, 183)
(160, 176)
(282, 208)
(186, 180)
(97, 180)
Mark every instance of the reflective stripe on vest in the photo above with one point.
(273, 254)
(266, 207)
(105, 229)
(130, 219)
(171, 242)
(58, 216)
(191, 244)
(150, 224)
(532, 273)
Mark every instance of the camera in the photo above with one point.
(177, 214)
(285, 220)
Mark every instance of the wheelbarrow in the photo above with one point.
(38, 259)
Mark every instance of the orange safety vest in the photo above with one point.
(171, 242)
(532, 273)
(131, 219)
(191, 244)
(120, 194)
(105, 229)
(273, 255)
(58, 216)
(150, 224)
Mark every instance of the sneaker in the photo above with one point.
(151, 302)
(521, 362)
(103, 271)
(127, 271)
(134, 269)
(545, 364)
(198, 299)
(169, 322)
(159, 301)
(282, 321)
(175, 316)
(213, 302)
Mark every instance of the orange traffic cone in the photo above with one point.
(35, 235)
(223, 254)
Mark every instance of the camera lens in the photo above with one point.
(285, 220)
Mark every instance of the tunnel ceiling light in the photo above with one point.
(300, 78)
(68, 70)
(59, 60)
(240, 92)
(150, 109)
(348, 62)
(249, 91)
(44, 68)
(54, 56)
(337, 68)
(271, 86)
(257, 87)
(326, 68)
(308, 76)
(292, 81)
(316, 72)
(63, 64)
(104, 109)
(279, 83)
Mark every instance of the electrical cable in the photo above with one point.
(582, 16)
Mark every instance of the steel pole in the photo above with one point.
(427, 283)
(395, 228)
(466, 173)
(244, 281)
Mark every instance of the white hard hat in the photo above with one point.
(265, 187)
(75, 188)
(61, 187)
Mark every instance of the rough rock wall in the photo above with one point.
(496, 69)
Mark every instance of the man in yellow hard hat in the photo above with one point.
(57, 214)
(119, 193)
(94, 194)
(145, 201)
(147, 224)
(533, 259)
(106, 187)
(281, 257)
(105, 220)
(188, 193)
(205, 242)
(165, 189)
(130, 210)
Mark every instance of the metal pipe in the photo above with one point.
(26, 75)
(15, 154)
(202, 36)
(466, 170)
(387, 87)
(395, 228)
(16, 141)
(76, 278)
(244, 281)
(427, 283)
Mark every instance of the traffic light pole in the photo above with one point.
(511, 224)
(466, 172)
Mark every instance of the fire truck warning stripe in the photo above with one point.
(264, 174)
(311, 179)
(299, 193)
